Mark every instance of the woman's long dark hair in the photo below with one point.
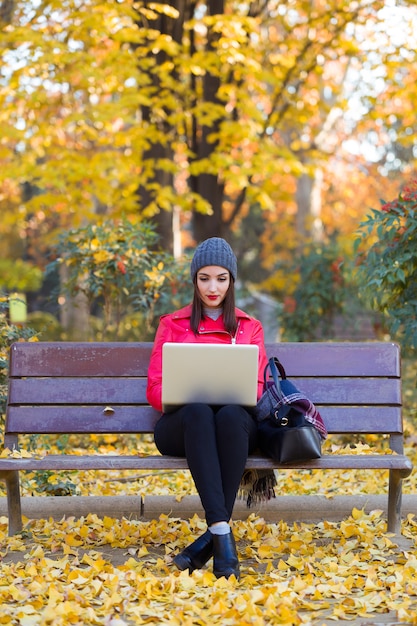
(229, 313)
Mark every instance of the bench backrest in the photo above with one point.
(65, 387)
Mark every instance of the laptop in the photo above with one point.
(213, 373)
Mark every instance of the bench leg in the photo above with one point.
(394, 502)
(13, 501)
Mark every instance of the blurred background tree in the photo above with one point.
(274, 124)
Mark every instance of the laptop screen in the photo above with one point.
(209, 373)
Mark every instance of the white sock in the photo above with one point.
(220, 528)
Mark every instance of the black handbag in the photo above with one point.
(285, 432)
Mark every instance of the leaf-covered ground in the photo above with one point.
(114, 572)
(103, 571)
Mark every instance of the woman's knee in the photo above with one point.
(197, 416)
(168, 435)
(235, 424)
(233, 417)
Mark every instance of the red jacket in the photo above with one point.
(175, 327)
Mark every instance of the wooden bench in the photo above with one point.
(100, 388)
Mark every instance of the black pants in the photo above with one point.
(216, 442)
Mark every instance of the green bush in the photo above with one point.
(119, 269)
(387, 263)
(46, 325)
(324, 289)
(9, 333)
(17, 275)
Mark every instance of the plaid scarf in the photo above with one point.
(292, 397)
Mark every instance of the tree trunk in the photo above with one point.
(162, 219)
(174, 27)
(74, 313)
(308, 198)
(208, 185)
(6, 11)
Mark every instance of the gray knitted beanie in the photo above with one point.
(214, 251)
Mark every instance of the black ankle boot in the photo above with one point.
(225, 561)
(197, 554)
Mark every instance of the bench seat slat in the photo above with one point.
(80, 359)
(157, 462)
(338, 358)
(133, 390)
(137, 419)
(77, 391)
(131, 359)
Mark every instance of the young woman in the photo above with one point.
(216, 440)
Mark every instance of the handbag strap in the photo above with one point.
(275, 366)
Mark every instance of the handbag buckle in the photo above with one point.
(281, 420)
